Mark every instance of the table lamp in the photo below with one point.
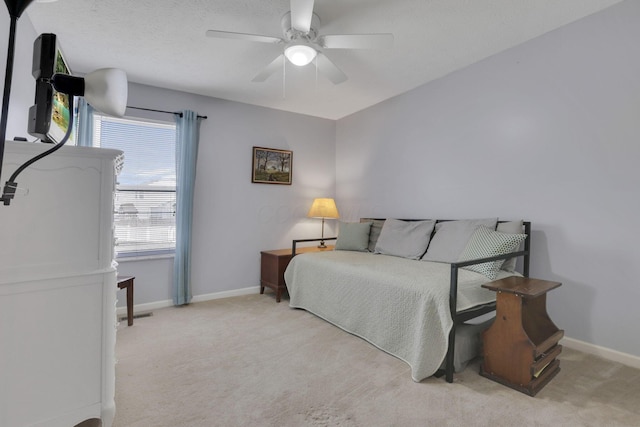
(323, 208)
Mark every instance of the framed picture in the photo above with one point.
(271, 166)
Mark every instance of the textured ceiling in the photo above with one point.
(162, 43)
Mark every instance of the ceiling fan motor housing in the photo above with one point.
(291, 34)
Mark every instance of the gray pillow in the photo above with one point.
(513, 227)
(452, 236)
(353, 236)
(376, 228)
(406, 239)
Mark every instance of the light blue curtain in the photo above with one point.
(84, 135)
(187, 137)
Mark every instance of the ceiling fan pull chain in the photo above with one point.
(316, 63)
(284, 76)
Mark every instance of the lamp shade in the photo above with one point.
(300, 54)
(323, 208)
(106, 90)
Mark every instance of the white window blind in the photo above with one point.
(145, 201)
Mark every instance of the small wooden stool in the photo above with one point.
(127, 282)
(521, 346)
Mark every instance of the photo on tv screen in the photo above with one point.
(49, 117)
(60, 104)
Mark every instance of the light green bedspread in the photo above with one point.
(399, 305)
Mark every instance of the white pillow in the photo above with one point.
(406, 239)
(451, 238)
(353, 236)
(514, 227)
(486, 243)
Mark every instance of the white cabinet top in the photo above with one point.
(61, 219)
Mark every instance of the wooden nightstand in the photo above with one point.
(521, 346)
(274, 263)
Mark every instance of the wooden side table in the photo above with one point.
(521, 346)
(127, 282)
(273, 264)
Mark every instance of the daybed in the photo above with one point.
(406, 286)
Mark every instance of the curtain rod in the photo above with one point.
(162, 111)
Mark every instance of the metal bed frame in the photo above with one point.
(468, 314)
(473, 312)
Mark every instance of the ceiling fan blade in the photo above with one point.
(243, 36)
(273, 66)
(329, 69)
(357, 41)
(301, 15)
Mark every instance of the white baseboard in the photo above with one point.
(226, 294)
(156, 305)
(606, 353)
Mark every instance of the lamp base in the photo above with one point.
(322, 245)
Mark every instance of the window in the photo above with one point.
(145, 202)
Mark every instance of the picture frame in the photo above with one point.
(271, 166)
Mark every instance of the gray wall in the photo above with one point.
(548, 131)
(234, 219)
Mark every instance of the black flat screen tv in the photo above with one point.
(49, 116)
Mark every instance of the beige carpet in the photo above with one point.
(248, 361)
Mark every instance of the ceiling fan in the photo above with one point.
(302, 44)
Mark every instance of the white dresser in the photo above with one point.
(58, 288)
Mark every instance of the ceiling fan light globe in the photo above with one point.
(300, 54)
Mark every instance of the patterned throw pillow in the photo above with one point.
(514, 227)
(486, 243)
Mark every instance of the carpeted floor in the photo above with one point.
(248, 361)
